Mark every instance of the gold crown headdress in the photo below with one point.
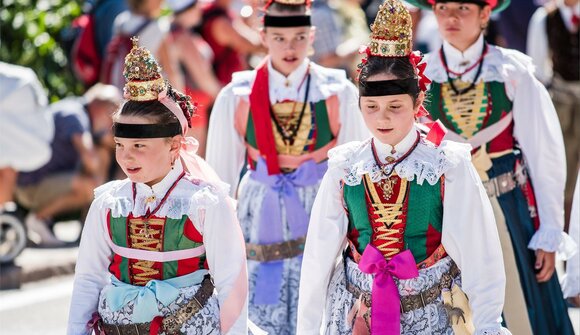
(391, 32)
(145, 83)
(143, 74)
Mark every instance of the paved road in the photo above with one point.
(37, 308)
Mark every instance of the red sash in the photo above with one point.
(260, 109)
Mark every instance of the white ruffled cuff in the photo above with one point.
(570, 285)
(554, 240)
(493, 331)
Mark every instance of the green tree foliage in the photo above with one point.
(30, 35)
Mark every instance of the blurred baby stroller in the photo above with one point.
(12, 234)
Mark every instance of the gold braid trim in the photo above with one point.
(142, 235)
(389, 216)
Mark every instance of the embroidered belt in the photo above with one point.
(275, 251)
(171, 324)
(413, 302)
(504, 183)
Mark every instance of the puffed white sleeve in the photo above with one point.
(537, 130)
(325, 240)
(91, 271)
(225, 147)
(352, 126)
(537, 46)
(571, 280)
(226, 257)
(470, 237)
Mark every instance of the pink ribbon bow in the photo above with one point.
(385, 299)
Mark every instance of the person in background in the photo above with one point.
(281, 118)
(329, 37)
(355, 33)
(571, 280)
(105, 13)
(191, 58)
(26, 130)
(554, 45)
(142, 19)
(511, 25)
(426, 36)
(66, 182)
(487, 96)
(411, 212)
(230, 39)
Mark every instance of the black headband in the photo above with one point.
(388, 87)
(287, 21)
(129, 130)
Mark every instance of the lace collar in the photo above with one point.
(426, 163)
(190, 197)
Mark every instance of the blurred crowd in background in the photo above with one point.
(52, 155)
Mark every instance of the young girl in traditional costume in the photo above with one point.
(283, 117)
(488, 97)
(423, 253)
(155, 245)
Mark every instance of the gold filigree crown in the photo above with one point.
(142, 73)
(391, 32)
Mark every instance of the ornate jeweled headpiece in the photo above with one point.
(391, 33)
(391, 37)
(145, 83)
(143, 74)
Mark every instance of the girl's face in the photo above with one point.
(287, 47)
(461, 23)
(389, 117)
(145, 160)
